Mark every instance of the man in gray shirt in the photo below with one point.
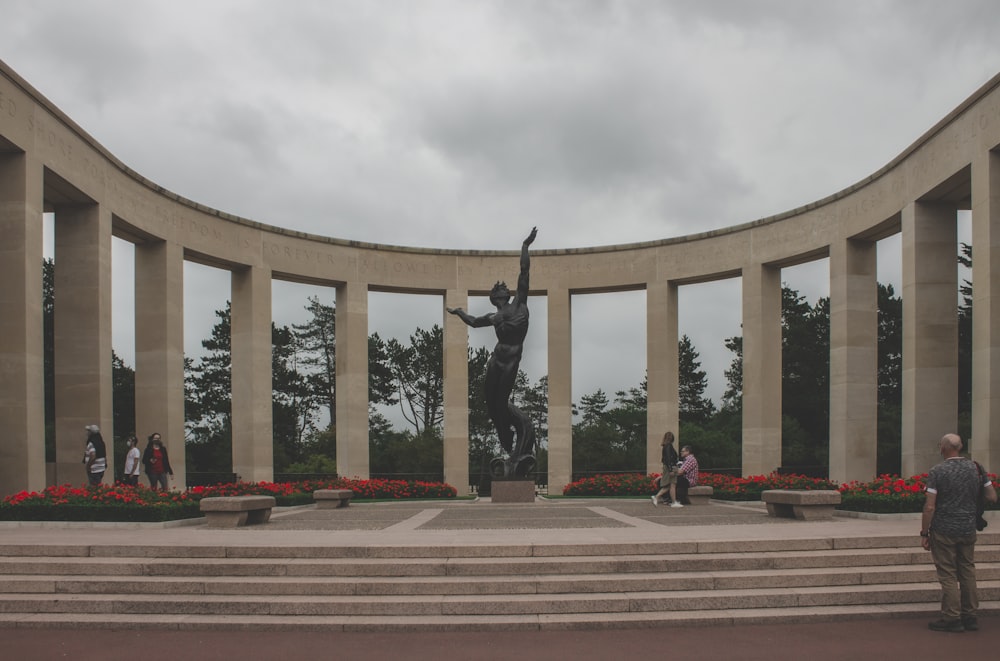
(948, 531)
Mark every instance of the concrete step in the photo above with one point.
(454, 585)
(509, 604)
(473, 566)
(453, 623)
(618, 549)
(463, 587)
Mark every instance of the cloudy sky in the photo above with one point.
(461, 124)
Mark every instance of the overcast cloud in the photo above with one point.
(462, 124)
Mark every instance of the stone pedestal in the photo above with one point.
(513, 491)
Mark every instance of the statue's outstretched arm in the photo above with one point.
(475, 322)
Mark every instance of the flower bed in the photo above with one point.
(727, 487)
(886, 494)
(619, 484)
(124, 503)
(287, 494)
(98, 503)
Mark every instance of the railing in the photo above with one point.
(208, 479)
(541, 489)
(409, 477)
(302, 477)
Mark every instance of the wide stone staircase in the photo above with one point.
(475, 587)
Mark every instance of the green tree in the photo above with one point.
(692, 382)
(123, 397)
(805, 380)
(628, 417)
(208, 401)
(294, 403)
(805, 377)
(965, 349)
(318, 361)
(732, 398)
(611, 439)
(534, 401)
(890, 381)
(48, 356)
(484, 445)
(593, 406)
(381, 381)
(418, 372)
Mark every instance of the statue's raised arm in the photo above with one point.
(522, 279)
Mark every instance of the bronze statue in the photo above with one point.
(510, 321)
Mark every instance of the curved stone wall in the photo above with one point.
(48, 163)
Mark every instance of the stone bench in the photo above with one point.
(328, 499)
(236, 511)
(700, 495)
(803, 505)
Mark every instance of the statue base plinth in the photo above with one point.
(513, 491)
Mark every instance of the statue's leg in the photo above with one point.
(525, 431)
(496, 405)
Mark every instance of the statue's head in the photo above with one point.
(499, 293)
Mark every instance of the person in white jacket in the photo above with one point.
(133, 463)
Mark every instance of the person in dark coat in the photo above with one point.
(157, 463)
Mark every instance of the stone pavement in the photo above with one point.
(545, 522)
(555, 521)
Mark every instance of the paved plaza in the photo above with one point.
(546, 521)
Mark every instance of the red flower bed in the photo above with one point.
(124, 503)
(98, 503)
(297, 493)
(886, 494)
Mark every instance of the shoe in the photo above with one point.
(676, 504)
(970, 623)
(653, 498)
(951, 626)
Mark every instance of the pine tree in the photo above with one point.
(692, 382)
(318, 346)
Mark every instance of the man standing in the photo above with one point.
(948, 531)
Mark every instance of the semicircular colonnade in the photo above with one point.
(48, 164)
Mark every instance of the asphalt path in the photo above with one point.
(903, 638)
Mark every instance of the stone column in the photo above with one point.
(560, 390)
(456, 393)
(761, 369)
(250, 341)
(930, 332)
(853, 360)
(22, 388)
(662, 367)
(159, 349)
(352, 380)
(985, 442)
(83, 388)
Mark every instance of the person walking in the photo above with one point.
(133, 462)
(948, 531)
(157, 462)
(95, 455)
(668, 480)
